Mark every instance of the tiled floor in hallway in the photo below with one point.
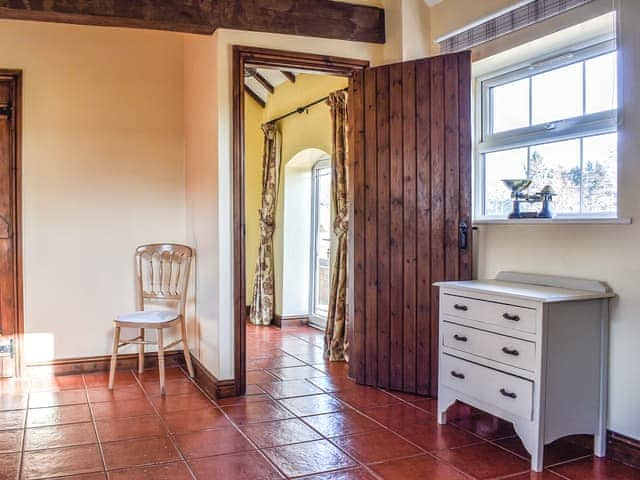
(302, 417)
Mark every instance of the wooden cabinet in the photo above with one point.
(531, 349)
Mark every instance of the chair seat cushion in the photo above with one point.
(149, 316)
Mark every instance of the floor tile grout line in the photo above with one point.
(166, 427)
(235, 426)
(495, 443)
(95, 429)
(358, 410)
(401, 400)
(24, 435)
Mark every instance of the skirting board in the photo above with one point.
(623, 449)
(128, 361)
(70, 366)
(209, 383)
(284, 321)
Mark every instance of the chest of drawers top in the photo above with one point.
(529, 289)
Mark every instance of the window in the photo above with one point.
(320, 242)
(554, 122)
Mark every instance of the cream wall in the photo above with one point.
(102, 157)
(603, 252)
(299, 132)
(201, 145)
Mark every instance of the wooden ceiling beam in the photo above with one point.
(255, 96)
(290, 76)
(252, 72)
(173, 15)
(315, 18)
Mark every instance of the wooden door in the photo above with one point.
(410, 182)
(9, 285)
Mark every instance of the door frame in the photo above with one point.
(15, 76)
(345, 67)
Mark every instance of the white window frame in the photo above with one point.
(571, 128)
(314, 318)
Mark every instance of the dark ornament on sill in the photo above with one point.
(517, 188)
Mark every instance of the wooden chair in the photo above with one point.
(162, 274)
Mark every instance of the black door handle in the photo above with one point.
(510, 351)
(507, 394)
(463, 234)
(460, 338)
(464, 308)
(457, 375)
(514, 318)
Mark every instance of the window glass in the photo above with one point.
(600, 82)
(557, 164)
(556, 94)
(600, 173)
(510, 105)
(322, 241)
(507, 164)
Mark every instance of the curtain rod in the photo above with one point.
(303, 108)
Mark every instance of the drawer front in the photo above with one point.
(509, 316)
(500, 348)
(510, 393)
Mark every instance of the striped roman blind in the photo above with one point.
(520, 17)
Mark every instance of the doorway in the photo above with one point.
(11, 324)
(409, 204)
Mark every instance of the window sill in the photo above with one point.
(554, 221)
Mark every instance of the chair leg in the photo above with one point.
(114, 357)
(161, 359)
(185, 347)
(141, 351)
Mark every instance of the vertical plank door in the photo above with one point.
(411, 150)
(8, 239)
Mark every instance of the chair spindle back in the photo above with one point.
(162, 271)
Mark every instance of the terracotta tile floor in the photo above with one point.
(301, 418)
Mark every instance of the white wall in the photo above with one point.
(603, 252)
(102, 173)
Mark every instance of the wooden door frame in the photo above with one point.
(346, 67)
(16, 224)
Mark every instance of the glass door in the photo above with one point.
(320, 244)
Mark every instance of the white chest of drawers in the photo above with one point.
(531, 349)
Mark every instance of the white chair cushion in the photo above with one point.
(149, 316)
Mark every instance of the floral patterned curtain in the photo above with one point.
(262, 306)
(335, 341)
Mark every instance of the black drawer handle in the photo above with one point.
(507, 394)
(464, 308)
(510, 351)
(460, 338)
(457, 375)
(514, 318)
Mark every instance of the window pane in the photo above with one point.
(507, 164)
(601, 91)
(322, 254)
(599, 174)
(557, 164)
(557, 94)
(510, 105)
